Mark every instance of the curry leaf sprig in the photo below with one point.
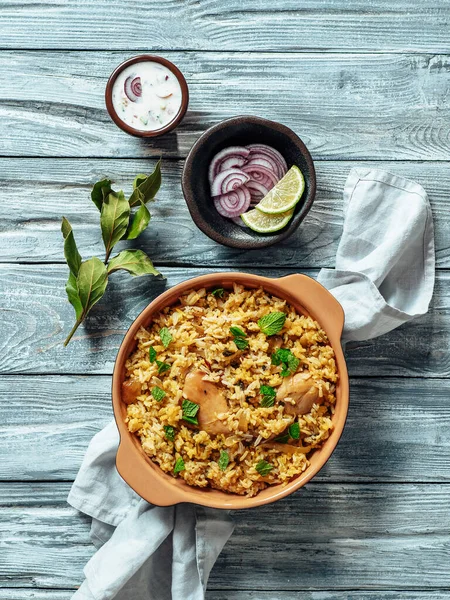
(118, 221)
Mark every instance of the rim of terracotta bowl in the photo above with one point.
(162, 489)
(265, 240)
(184, 96)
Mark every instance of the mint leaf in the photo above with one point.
(282, 439)
(190, 409)
(272, 323)
(152, 354)
(219, 292)
(294, 431)
(263, 468)
(292, 363)
(223, 461)
(179, 466)
(268, 394)
(241, 343)
(165, 336)
(280, 356)
(158, 394)
(170, 432)
(237, 332)
(136, 262)
(162, 366)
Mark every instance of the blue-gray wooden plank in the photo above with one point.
(344, 106)
(261, 25)
(41, 190)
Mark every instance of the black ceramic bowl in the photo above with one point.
(240, 131)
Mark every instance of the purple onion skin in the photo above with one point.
(262, 175)
(233, 204)
(227, 181)
(133, 88)
(269, 150)
(234, 156)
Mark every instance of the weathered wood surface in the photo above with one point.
(361, 536)
(211, 25)
(211, 594)
(35, 318)
(42, 190)
(386, 107)
(397, 429)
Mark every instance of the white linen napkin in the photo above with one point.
(384, 277)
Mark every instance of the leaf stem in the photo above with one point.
(108, 254)
(72, 331)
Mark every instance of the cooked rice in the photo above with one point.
(200, 327)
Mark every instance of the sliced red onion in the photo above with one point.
(261, 175)
(133, 88)
(265, 161)
(272, 152)
(227, 181)
(234, 203)
(233, 156)
(257, 190)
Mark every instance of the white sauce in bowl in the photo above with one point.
(146, 96)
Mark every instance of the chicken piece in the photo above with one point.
(302, 389)
(131, 389)
(211, 400)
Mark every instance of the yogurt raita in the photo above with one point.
(146, 96)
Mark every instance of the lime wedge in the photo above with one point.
(285, 194)
(263, 223)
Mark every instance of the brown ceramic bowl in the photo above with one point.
(184, 98)
(240, 131)
(157, 487)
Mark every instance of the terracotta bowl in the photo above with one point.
(157, 487)
(184, 96)
(240, 131)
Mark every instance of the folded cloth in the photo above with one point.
(384, 277)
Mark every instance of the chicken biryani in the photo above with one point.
(231, 389)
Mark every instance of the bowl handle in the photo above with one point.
(318, 302)
(135, 472)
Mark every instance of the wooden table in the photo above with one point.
(362, 82)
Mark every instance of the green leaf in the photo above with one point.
(91, 283)
(136, 262)
(282, 439)
(285, 372)
(139, 179)
(152, 354)
(165, 336)
(158, 394)
(263, 468)
(162, 367)
(99, 192)
(293, 363)
(219, 292)
(268, 394)
(280, 356)
(179, 466)
(71, 253)
(170, 432)
(140, 221)
(72, 295)
(114, 219)
(237, 332)
(223, 461)
(294, 431)
(272, 323)
(146, 189)
(241, 343)
(190, 409)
